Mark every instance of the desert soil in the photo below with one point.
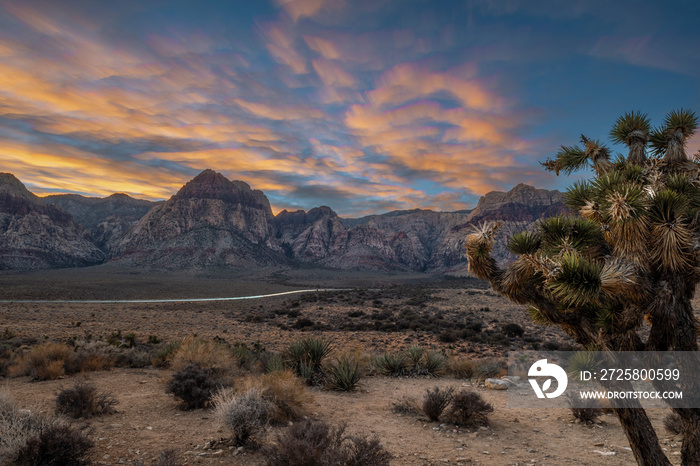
(148, 419)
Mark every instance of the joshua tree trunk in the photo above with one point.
(690, 450)
(642, 437)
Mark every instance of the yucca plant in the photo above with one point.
(629, 253)
(306, 356)
(344, 374)
(434, 363)
(390, 364)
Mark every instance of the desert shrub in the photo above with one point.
(461, 368)
(448, 336)
(56, 444)
(435, 401)
(406, 405)
(83, 400)
(344, 374)
(512, 330)
(92, 356)
(672, 423)
(163, 355)
(434, 363)
(469, 409)
(193, 385)
(315, 443)
(167, 457)
(133, 357)
(207, 354)
(488, 368)
(286, 392)
(6, 357)
(246, 415)
(153, 340)
(45, 362)
(273, 362)
(390, 364)
(586, 415)
(16, 427)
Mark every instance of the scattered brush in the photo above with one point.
(246, 415)
(315, 443)
(84, 401)
(489, 368)
(193, 385)
(435, 401)
(673, 424)
(469, 409)
(286, 392)
(461, 368)
(406, 405)
(44, 362)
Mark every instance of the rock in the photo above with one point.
(38, 236)
(495, 384)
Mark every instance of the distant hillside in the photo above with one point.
(215, 222)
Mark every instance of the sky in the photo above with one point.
(366, 106)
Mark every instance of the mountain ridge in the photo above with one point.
(215, 222)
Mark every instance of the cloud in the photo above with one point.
(332, 73)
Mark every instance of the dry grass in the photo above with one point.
(246, 414)
(92, 356)
(461, 368)
(284, 390)
(44, 362)
(207, 354)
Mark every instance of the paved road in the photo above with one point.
(136, 301)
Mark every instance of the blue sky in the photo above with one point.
(365, 106)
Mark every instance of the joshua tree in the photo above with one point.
(628, 258)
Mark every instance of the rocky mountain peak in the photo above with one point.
(9, 184)
(207, 185)
(521, 194)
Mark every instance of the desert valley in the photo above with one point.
(393, 305)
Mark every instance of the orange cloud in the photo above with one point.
(325, 47)
(332, 74)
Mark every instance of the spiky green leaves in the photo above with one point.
(571, 158)
(669, 139)
(524, 242)
(671, 236)
(578, 195)
(630, 127)
(578, 282)
(633, 129)
(561, 234)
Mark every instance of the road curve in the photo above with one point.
(142, 301)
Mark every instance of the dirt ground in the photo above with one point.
(148, 419)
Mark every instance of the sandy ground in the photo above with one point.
(149, 421)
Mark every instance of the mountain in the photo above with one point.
(107, 219)
(417, 240)
(38, 236)
(211, 221)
